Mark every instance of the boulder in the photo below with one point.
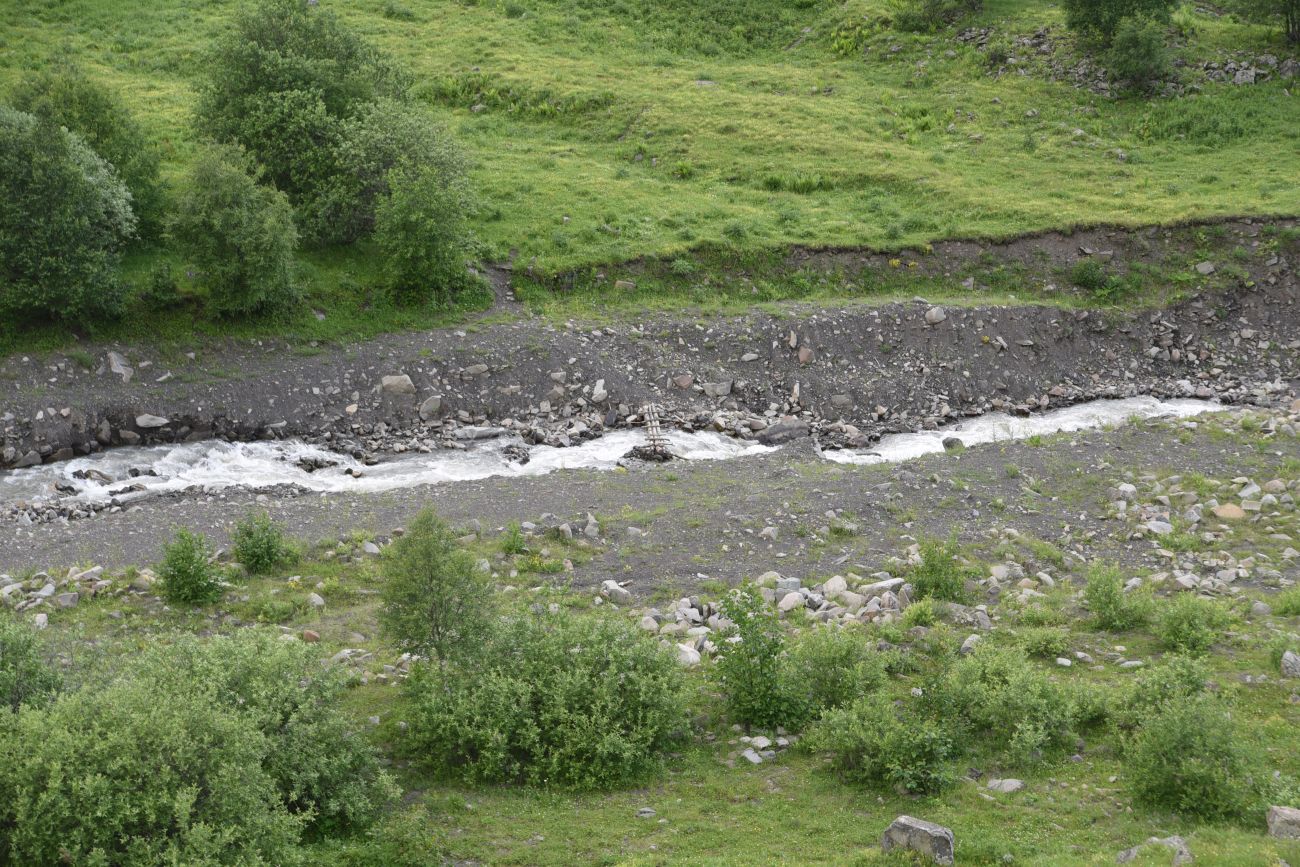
(1290, 664)
(785, 431)
(431, 407)
(397, 384)
(146, 420)
(1284, 822)
(917, 835)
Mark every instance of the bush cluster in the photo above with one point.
(1191, 624)
(927, 16)
(187, 574)
(939, 574)
(552, 700)
(873, 741)
(1111, 607)
(259, 544)
(248, 752)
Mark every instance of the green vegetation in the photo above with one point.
(259, 544)
(187, 573)
(26, 677)
(1111, 607)
(939, 574)
(759, 685)
(596, 134)
(1191, 624)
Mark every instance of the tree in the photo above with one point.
(421, 229)
(1099, 20)
(1285, 13)
(69, 98)
(64, 216)
(435, 599)
(240, 234)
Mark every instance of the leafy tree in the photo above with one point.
(187, 575)
(64, 217)
(238, 233)
(1283, 13)
(761, 687)
(421, 229)
(68, 97)
(1099, 20)
(435, 600)
(1137, 53)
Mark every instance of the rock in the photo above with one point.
(684, 381)
(119, 366)
(310, 636)
(785, 431)
(935, 315)
(953, 444)
(1290, 664)
(968, 646)
(917, 835)
(30, 459)
(1284, 822)
(370, 548)
(790, 602)
(645, 813)
(398, 383)
(67, 600)
(1182, 854)
(1229, 512)
(1205, 269)
(687, 656)
(834, 586)
(146, 420)
(315, 600)
(430, 408)
(1160, 528)
(1006, 787)
(624, 285)
(615, 592)
(752, 757)
(598, 392)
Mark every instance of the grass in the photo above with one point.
(602, 133)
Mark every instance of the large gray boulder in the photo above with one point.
(918, 835)
(785, 431)
(1284, 822)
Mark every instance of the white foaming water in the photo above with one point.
(214, 465)
(997, 427)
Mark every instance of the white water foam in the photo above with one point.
(214, 465)
(998, 427)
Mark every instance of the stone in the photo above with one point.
(687, 656)
(835, 585)
(968, 646)
(790, 602)
(118, 365)
(917, 835)
(935, 315)
(598, 392)
(615, 592)
(1006, 787)
(1284, 822)
(315, 600)
(398, 383)
(784, 431)
(1182, 854)
(752, 757)
(67, 600)
(1205, 269)
(953, 444)
(147, 420)
(310, 636)
(431, 407)
(30, 459)
(1160, 528)
(1229, 512)
(684, 381)
(1290, 664)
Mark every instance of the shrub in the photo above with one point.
(1287, 603)
(1282, 13)
(1048, 641)
(1137, 53)
(281, 82)
(920, 613)
(939, 574)
(322, 769)
(421, 230)
(1189, 758)
(187, 574)
(761, 690)
(1191, 624)
(122, 775)
(240, 235)
(435, 600)
(259, 543)
(553, 699)
(1099, 20)
(513, 540)
(871, 741)
(25, 676)
(70, 98)
(998, 693)
(64, 217)
(1111, 607)
(835, 666)
(927, 16)
(1177, 677)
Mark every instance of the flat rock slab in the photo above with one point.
(918, 835)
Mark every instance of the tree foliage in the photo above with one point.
(64, 217)
(1099, 20)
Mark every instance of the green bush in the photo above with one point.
(126, 776)
(240, 235)
(282, 81)
(1138, 54)
(259, 544)
(1175, 678)
(997, 693)
(187, 575)
(1191, 624)
(927, 16)
(323, 770)
(1189, 758)
(436, 602)
(920, 613)
(871, 741)
(1111, 607)
(1099, 20)
(1046, 641)
(70, 98)
(64, 217)
(939, 574)
(553, 700)
(422, 232)
(1287, 603)
(835, 666)
(760, 686)
(26, 678)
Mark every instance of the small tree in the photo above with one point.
(1282, 13)
(1138, 55)
(70, 98)
(259, 544)
(753, 667)
(435, 600)
(187, 573)
(64, 217)
(421, 231)
(1099, 20)
(25, 676)
(240, 235)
